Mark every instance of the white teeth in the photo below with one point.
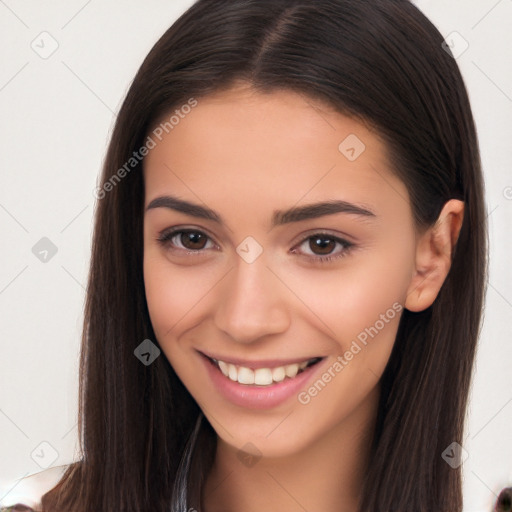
(291, 370)
(233, 373)
(260, 376)
(278, 374)
(223, 368)
(247, 376)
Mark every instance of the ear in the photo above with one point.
(434, 252)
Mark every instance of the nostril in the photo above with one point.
(504, 502)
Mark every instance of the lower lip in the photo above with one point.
(258, 397)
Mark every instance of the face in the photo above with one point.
(298, 304)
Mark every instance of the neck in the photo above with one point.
(326, 475)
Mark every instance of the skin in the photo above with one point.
(246, 154)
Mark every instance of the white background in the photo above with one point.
(56, 117)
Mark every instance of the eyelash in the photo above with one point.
(165, 239)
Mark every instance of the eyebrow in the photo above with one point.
(279, 217)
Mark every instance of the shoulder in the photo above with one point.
(29, 490)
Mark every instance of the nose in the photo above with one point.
(252, 302)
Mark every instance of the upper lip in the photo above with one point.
(263, 363)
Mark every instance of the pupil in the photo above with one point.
(326, 245)
(188, 239)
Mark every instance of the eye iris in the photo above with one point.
(189, 238)
(326, 245)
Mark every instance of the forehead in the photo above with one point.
(258, 148)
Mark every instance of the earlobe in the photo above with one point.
(434, 253)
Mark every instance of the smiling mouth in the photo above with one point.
(262, 376)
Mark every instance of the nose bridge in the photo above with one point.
(252, 302)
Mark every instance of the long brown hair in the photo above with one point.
(380, 61)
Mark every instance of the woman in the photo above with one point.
(287, 271)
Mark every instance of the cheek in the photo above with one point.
(365, 291)
(173, 294)
(172, 297)
(360, 309)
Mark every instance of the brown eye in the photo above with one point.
(193, 240)
(321, 245)
(321, 248)
(185, 240)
